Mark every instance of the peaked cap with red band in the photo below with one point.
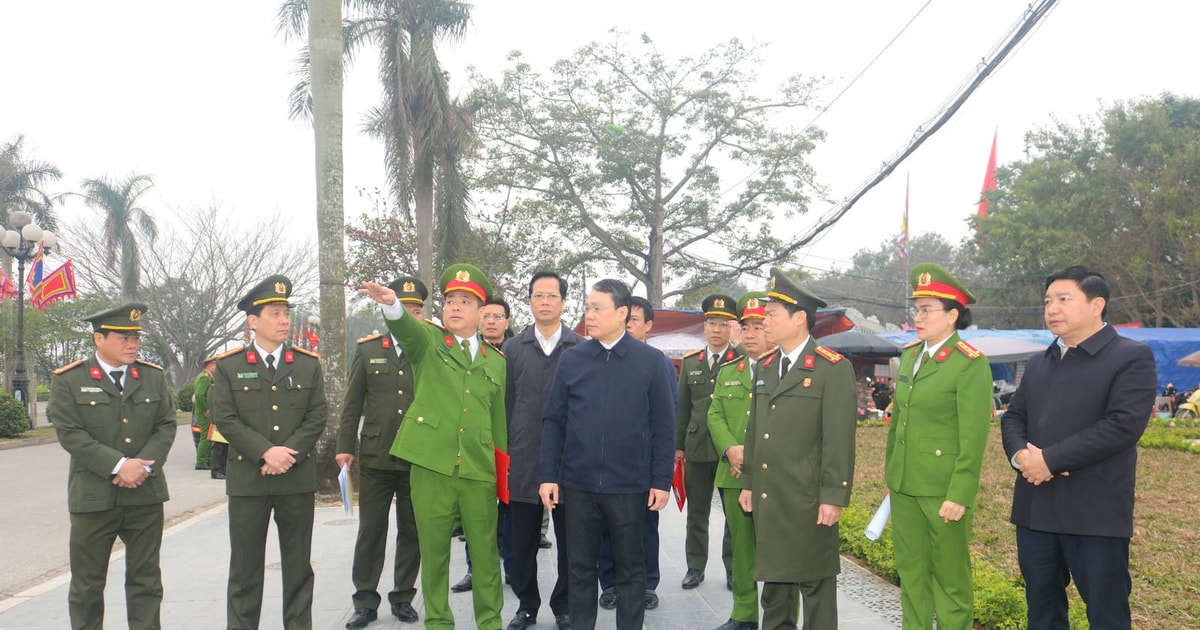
(752, 305)
(930, 280)
(466, 277)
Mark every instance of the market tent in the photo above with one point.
(858, 343)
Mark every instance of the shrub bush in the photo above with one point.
(183, 399)
(43, 393)
(14, 420)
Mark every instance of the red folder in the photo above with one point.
(677, 485)
(502, 462)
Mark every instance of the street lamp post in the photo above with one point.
(21, 243)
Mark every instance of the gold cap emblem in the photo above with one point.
(752, 303)
(924, 279)
(280, 288)
(410, 287)
(463, 275)
(135, 315)
(772, 282)
(718, 303)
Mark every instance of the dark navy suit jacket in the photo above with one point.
(1086, 410)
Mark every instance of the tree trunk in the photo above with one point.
(423, 208)
(325, 52)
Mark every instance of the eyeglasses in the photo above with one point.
(593, 309)
(545, 296)
(493, 318)
(922, 313)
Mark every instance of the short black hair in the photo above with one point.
(500, 301)
(964, 314)
(792, 309)
(562, 282)
(1091, 282)
(638, 301)
(618, 291)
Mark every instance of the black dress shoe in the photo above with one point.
(650, 600)
(608, 598)
(463, 585)
(544, 543)
(404, 612)
(738, 625)
(522, 620)
(563, 622)
(693, 578)
(220, 474)
(360, 618)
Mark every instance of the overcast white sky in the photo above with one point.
(195, 94)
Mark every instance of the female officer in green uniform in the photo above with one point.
(939, 428)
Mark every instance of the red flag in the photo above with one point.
(989, 181)
(677, 485)
(34, 278)
(58, 285)
(310, 335)
(8, 288)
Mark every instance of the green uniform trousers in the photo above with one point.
(439, 501)
(698, 479)
(376, 487)
(249, 518)
(741, 537)
(203, 445)
(781, 604)
(140, 528)
(934, 563)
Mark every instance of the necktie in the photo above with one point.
(116, 376)
(712, 360)
(784, 366)
(271, 364)
(466, 346)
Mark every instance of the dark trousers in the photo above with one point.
(217, 457)
(526, 533)
(608, 573)
(376, 488)
(781, 605)
(249, 518)
(1098, 564)
(698, 480)
(623, 516)
(140, 528)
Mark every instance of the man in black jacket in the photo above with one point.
(532, 359)
(1072, 433)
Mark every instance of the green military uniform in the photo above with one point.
(256, 410)
(799, 455)
(380, 390)
(727, 419)
(101, 423)
(696, 379)
(202, 417)
(450, 434)
(940, 420)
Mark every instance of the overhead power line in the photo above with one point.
(1022, 28)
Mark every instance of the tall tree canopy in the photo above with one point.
(1119, 192)
(22, 184)
(623, 148)
(119, 204)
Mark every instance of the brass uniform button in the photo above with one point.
(92, 403)
(239, 458)
(245, 388)
(938, 452)
(764, 495)
(124, 420)
(128, 440)
(400, 392)
(275, 428)
(766, 436)
(274, 388)
(420, 419)
(764, 465)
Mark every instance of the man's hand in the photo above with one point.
(745, 500)
(278, 460)
(658, 499)
(377, 292)
(735, 454)
(132, 473)
(951, 511)
(343, 459)
(549, 494)
(828, 515)
(1033, 465)
(680, 456)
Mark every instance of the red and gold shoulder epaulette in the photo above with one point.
(369, 338)
(229, 353)
(968, 350)
(306, 351)
(770, 357)
(693, 353)
(68, 367)
(152, 365)
(765, 354)
(732, 361)
(828, 354)
(911, 344)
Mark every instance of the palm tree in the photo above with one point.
(22, 183)
(418, 121)
(118, 201)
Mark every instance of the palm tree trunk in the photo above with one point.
(325, 53)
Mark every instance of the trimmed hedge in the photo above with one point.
(14, 420)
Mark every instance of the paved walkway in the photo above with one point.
(195, 558)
